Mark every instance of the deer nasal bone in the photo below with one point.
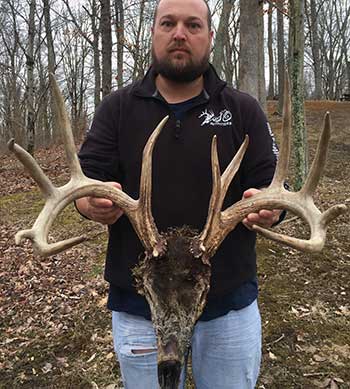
(171, 349)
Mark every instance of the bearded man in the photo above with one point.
(226, 342)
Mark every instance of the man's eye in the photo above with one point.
(166, 23)
(194, 26)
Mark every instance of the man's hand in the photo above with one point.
(99, 209)
(264, 218)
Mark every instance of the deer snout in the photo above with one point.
(169, 374)
(169, 364)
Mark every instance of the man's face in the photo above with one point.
(181, 40)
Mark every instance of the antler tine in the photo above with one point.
(232, 168)
(147, 226)
(220, 187)
(283, 162)
(319, 161)
(318, 223)
(214, 204)
(66, 128)
(42, 247)
(33, 168)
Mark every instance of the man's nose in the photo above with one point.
(180, 32)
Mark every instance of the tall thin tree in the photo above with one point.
(119, 15)
(280, 53)
(271, 91)
(51, 63)
(251, 60)
(296, 68)
(30, 79)
(221, 36)
(106, 32)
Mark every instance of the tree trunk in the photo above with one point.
(30, 79)
(221, 35)
(229, 65)
(43, 134)
(316, 50)
(343, 16)
(280, 55)
(271, 92)
(119, 12)
(296, 66)
(96, 40)
(261, 59)
(51, 68)
(137, 71)
(251, 60)
(106, 32)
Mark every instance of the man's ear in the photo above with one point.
(211, 35)
(152, 30)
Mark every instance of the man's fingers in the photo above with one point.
(253, 218)
(107, 217)
(100, 202)
(264, 218)
(266, 214)
(250, 192)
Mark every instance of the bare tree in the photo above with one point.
(271, 92)
(280, 53)
(296, 66)
(74, 66)
(232, 48)
(106, 32)
(30, 79)
(333, 26)
(312, 17)
(51, 61)
(343, 17)
(221, 36)
(119, 16)
(93, 11)
(12, 110)
(251, 61)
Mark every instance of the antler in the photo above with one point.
(138, 211)
(220, 223)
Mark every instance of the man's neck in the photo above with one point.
(175, 92)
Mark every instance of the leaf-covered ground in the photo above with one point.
(55, 329)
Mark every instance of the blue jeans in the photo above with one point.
(226, 352)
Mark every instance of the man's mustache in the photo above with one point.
(181, 47)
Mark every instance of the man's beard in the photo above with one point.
(187, 72)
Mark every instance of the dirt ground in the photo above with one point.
(55, 328)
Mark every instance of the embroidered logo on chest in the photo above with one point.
(222, 119)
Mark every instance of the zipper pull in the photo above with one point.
(177, 128)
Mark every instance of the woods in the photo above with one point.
(55, 327)
(96, 46)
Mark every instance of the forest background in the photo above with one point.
(55, 330)
(95, 46)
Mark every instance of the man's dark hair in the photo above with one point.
(208, 14)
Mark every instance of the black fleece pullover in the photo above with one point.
(182, 181)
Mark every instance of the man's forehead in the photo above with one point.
(186, 8)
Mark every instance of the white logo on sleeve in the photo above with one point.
(224, 118)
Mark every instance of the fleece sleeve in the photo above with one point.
(99, 155)
(259, 163)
